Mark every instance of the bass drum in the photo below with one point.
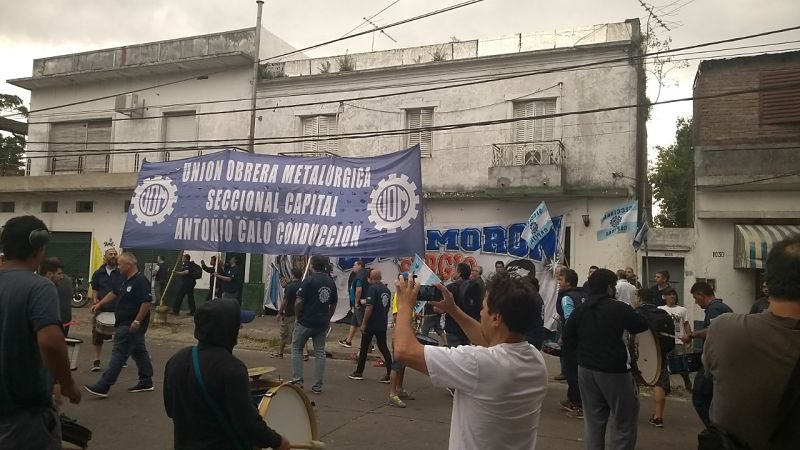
(646, 358)
(287, 410)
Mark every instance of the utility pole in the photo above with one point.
(252, 146)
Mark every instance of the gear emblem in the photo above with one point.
(153, 200)
(394, 203)
(615, 221)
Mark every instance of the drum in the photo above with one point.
(646, 358)
(427, 340)
(72, 433)
(287, 410)
(73, 346)
(104, 323)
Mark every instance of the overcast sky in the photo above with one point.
(31, 30)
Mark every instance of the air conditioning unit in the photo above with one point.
(130, 105)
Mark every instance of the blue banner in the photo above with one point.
(242, 202)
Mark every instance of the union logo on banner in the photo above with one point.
(394, 203)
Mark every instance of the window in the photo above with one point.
(126, 206)
(180, 130)
(320, 126)
(421, 118)
(779, 102)
(84, 207)
(72, 140)
(49, 207)
(533, 138)
(7, 207)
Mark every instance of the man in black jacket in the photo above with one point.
(594, 332)
(469, 297)
(225, 376)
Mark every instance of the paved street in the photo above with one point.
(351, 414)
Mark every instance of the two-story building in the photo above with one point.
(472, 106)
(746, 176)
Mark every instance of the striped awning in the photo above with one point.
(753, 242)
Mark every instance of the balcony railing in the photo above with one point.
(527, 153)
(78, 164)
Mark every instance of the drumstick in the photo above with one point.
(313, 445)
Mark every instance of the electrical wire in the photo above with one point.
(394, 24)
(404, 131)
(389, 86)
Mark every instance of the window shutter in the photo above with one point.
(421, 118)
(180, 127)
(523, 130)
(328, 126)
(70, 138)
(97, 131)
(309, 130)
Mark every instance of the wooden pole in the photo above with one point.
(161, 310)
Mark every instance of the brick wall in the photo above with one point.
(735, 119)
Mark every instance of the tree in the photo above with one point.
(671, 178)
(12, 147)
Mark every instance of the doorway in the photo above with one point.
(653, 264)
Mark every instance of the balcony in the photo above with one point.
(527, 164)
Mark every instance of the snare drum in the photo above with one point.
(287, 410)
(646, 358)
(104, 323)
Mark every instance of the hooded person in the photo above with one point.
(225, 378)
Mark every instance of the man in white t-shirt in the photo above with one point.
(626, 292)
(500, 381)
(682, 328)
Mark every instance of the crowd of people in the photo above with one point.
(490, 360)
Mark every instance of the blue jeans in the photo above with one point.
(300, 336)
(127, 344)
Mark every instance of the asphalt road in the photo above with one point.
(351, 414)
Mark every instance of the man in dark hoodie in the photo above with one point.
(594, 331)
(225, 377)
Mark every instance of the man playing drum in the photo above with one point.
(226, 383)
(500, 381)
(595, 332)
(105, 280)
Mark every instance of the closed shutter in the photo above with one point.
(97, 131)
(180, 130)
(779, 103)
(320, 126)
(421, 118)
(523, 131)
(69, 140)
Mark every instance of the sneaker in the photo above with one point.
(141, 387)
(316, 390)
(568, 406)
(385, 379)
(405, 395)
(95, 366)
(657, 422)
(356, 376)
(560, 377)
(576, 414)
(396, 402)
(94, 390)
(298, 384)
(345, 344)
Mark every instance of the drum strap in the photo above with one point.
(223, 422)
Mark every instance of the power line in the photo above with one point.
(341, 101)
(403, 131)
(394, 24)
(389, 86)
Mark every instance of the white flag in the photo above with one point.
(539, 224)
(425, 276)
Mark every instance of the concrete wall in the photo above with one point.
(595, 145)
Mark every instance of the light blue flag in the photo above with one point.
(619, 220)
(538, 226)
(425, 276)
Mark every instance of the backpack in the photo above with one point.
(195, 271)
(661, 323)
